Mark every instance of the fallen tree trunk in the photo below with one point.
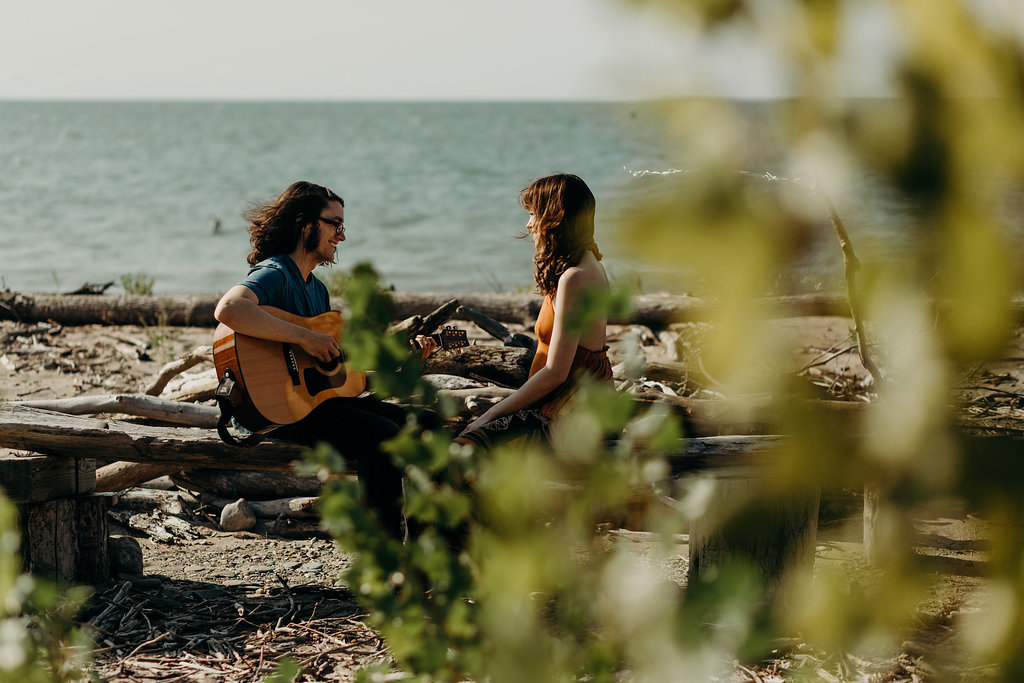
(89, 309)
(654, 310)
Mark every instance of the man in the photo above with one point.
(290, 236)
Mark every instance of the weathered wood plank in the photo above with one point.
(93, 539)
(35, 478)
(66, 539)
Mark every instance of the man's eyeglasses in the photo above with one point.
(339, 225)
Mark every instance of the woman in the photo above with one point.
(568, 268)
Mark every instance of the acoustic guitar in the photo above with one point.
(271, 383)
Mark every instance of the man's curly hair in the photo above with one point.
(275, 227)
(563, 226)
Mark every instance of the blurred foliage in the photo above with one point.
(950, 142)
(501, 574)
(504, 576)
(40, 642)
(369, 312)
(137, 284)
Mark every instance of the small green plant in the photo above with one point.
(157, 335)
(137, 284)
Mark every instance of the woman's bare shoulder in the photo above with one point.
(583, 276)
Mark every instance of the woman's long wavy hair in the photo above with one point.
(563, 226)
(275, 227)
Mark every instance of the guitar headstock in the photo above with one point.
(451, 338)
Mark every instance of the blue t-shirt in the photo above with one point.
(277, 282)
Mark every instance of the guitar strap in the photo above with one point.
(228, 396)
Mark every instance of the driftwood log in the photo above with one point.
(181, 412)
(506, 366)
(654, 310)
(296, 507)
(170, 502)
(57, 434)
(118, 476)
(418, 324)
(496, 329)
(200, 354)
(253, 485)
(72, 436)
(88, 309)
(141, 405)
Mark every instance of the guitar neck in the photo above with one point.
(448, 338)
(436, 337)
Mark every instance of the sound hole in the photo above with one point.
(327, 367)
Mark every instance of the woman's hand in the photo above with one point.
(475, 424)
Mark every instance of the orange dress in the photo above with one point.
(534, 422)
(585, 363)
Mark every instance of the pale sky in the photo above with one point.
(368, 50)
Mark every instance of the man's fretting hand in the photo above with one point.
(425, 344)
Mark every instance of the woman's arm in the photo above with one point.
(239, 309)
(561, 352)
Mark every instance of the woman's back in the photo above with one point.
(593, 279)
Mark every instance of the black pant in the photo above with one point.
(356, 427)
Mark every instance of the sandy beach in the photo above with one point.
(200, 579)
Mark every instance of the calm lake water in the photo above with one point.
(92, 191)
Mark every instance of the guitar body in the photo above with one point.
(280, 383)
